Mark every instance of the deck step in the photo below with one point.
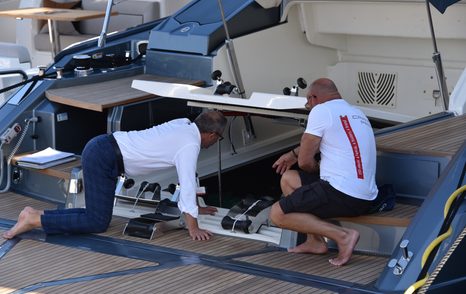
(43, 183)
(61, 171)
(380, 232)
(400, 216)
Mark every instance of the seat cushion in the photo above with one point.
(64, 28)
(130, 13)
(42, 41)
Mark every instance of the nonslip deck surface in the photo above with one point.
(439, 138)
(32, 262)
(400, 216)
(364, 268)
(185, 279)
(103, 95)
(179, 239)
(11, 205)
(171, 263)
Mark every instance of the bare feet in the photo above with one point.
(313, 247)
(346, 247)
(28, 219)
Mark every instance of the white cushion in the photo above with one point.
(64, 28)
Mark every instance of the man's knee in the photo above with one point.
(98, 224)
(276, 214)
(289, 182)
(101, 228)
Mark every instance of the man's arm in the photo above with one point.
(307, 150)
(186, 161)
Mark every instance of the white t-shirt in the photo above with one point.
(174, 143)
(348, 152)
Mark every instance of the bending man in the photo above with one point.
(175, 143)
(344, 185)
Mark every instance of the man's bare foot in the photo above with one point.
(310, 247)
(28, 219)
(346, 247)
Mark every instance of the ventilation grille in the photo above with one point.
(377, 88)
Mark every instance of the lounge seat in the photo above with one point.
(67, 33)
(130, 13)
(13, 57)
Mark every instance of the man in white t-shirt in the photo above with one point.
(341, 184)
(176, 143)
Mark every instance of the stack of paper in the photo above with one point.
(44, 159)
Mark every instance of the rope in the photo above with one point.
(418, 284)
(237, 218)
(138, 195)
(439, 267)
(10, 157)
(18, 143)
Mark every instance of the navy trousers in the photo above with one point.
(100, 173)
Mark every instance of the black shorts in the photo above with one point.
(319, 198)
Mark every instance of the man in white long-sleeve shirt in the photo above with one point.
(175, 143)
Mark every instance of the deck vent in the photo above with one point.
(377, 88)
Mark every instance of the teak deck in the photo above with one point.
(170, 263)
(440, 138)
(104, 95)
(400, 216)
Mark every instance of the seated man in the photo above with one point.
(344, 185)
(175, 143)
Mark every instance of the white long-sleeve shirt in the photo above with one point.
(174, 143)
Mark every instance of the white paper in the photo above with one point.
(45, 156)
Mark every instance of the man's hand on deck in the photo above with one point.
(199, 234)
(207, 210)
(194, 231)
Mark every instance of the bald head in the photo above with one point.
(320, 91)
(326, 88)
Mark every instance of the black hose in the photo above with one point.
(32, 79)
(15, 71)
(31, 86)
(16, 85)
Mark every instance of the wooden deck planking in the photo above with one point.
(400, 216)
(361, 269)
(31, 262)
(218, 245)
(441, 138)
(179, 239)
(107, 94)
(11, 205)
(185, 279)
(61, 171)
